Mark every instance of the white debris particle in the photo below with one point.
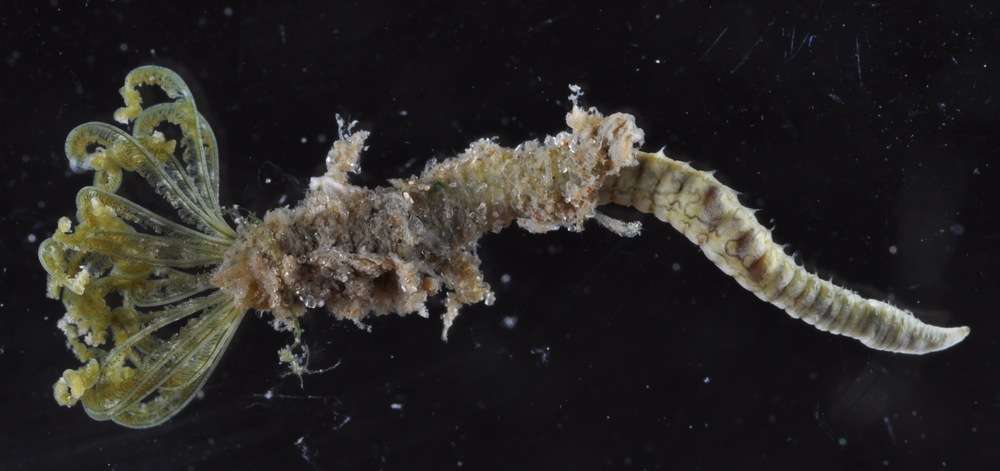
(509, 322)
(707, 380)
(347, 420)
(269, 394)
(321, 138)
(675, 266)
(396, 406)
(403, 112)
(267, 180)
(542, 353)
(842, 441)
(957, 229)
(505, 278)
(123, 47)
(575, 92)
(304, 140)
(32, 238)
(304, 449)
(893, 249)
(228, 11)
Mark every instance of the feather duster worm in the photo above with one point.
(152, 301)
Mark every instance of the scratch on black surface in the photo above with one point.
(304, 451)
(822, 422)
(888, 428)
(759, 40)
(857, 54)
(346, 420)
(544, 24)
(793, 50)
(272, 395)
(747, 55)
(263, 399)
(712, 46)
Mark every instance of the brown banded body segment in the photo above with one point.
(710, 215)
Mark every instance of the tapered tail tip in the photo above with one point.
(943, 339)
(954, 335)
(924, 339)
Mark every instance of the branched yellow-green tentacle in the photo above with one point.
(126, 274)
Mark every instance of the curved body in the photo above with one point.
(128, 276)
(710, 215)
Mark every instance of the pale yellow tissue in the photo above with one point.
(74, 383)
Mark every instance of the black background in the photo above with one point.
(855, 126)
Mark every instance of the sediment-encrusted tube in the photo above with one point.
(357, 251)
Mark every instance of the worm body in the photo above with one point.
(710, 215)
(152, 302)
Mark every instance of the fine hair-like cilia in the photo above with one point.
(129, 277)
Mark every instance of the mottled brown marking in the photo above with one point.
(822, 294)
(712, 208)
(684, 178)
(844, 317)
(781, 269)
(743, 242)
(759, 267)
(810, 281)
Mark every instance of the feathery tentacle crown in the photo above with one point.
(127, 275)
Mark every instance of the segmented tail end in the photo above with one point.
(710, 215)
